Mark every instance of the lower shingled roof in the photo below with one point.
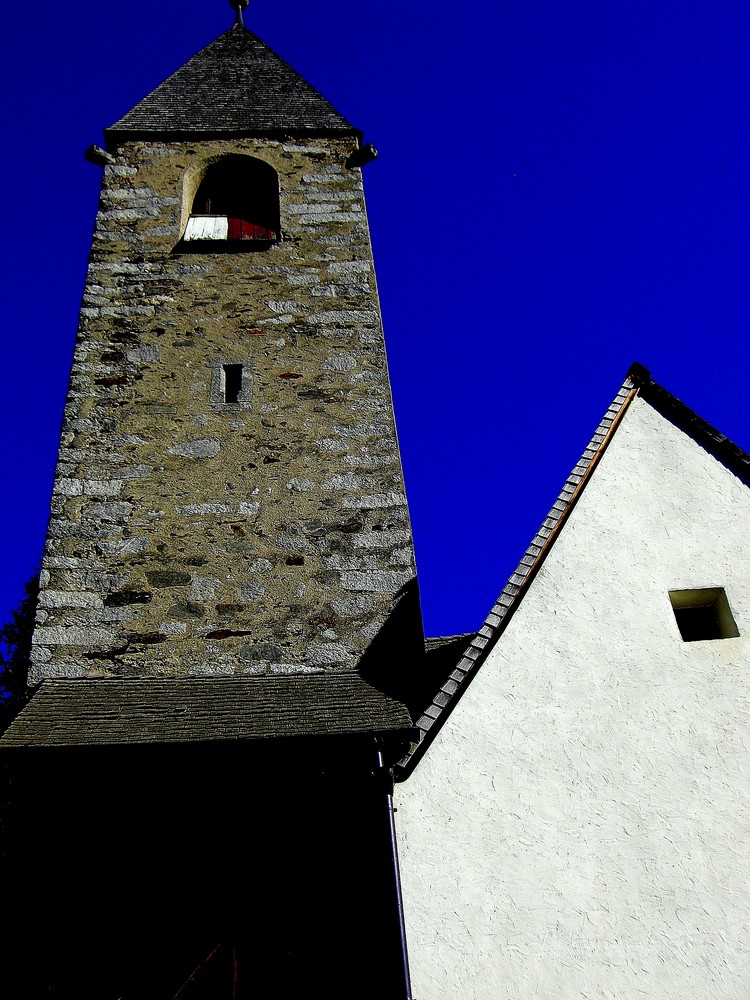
(90, 712)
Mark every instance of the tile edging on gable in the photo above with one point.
(496, 621)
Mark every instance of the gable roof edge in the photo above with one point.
(430, 722)
(718, 445)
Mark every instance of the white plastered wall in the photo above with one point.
(580, 827)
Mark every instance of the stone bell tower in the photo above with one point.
(228, 628)
(229, 497)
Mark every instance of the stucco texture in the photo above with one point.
(580, 826)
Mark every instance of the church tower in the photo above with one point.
(228, 633)
(229, 497)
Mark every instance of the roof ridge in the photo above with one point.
(502, 611)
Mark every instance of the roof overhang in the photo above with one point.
(114, 137)
(98, 712)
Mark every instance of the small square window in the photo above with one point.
(703, 614)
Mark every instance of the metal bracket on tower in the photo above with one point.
(99, 156)
(361, 156)
(238, 6)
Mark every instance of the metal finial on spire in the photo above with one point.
(238, 6)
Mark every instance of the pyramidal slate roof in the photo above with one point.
(465, 665)
(235, 85)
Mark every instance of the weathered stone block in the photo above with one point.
(167, 578)
(261, 651)
(59, 636)
(116, 512)
(187, 610)
(68, 599)
(125, 547)
(327, 654)
(253, 590)
(141, 354)
(204, 588)
(375, 581)
(204, 448)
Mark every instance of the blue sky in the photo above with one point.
(562, 189)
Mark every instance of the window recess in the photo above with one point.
(231, 384)
(703, 614)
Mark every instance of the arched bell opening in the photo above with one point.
(236, 206)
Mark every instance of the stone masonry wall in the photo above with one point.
(190, 538)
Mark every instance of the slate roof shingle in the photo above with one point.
(235, 85)
(89, 712)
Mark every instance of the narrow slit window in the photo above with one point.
(703, 614)
(231, 387)
(232, 379)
